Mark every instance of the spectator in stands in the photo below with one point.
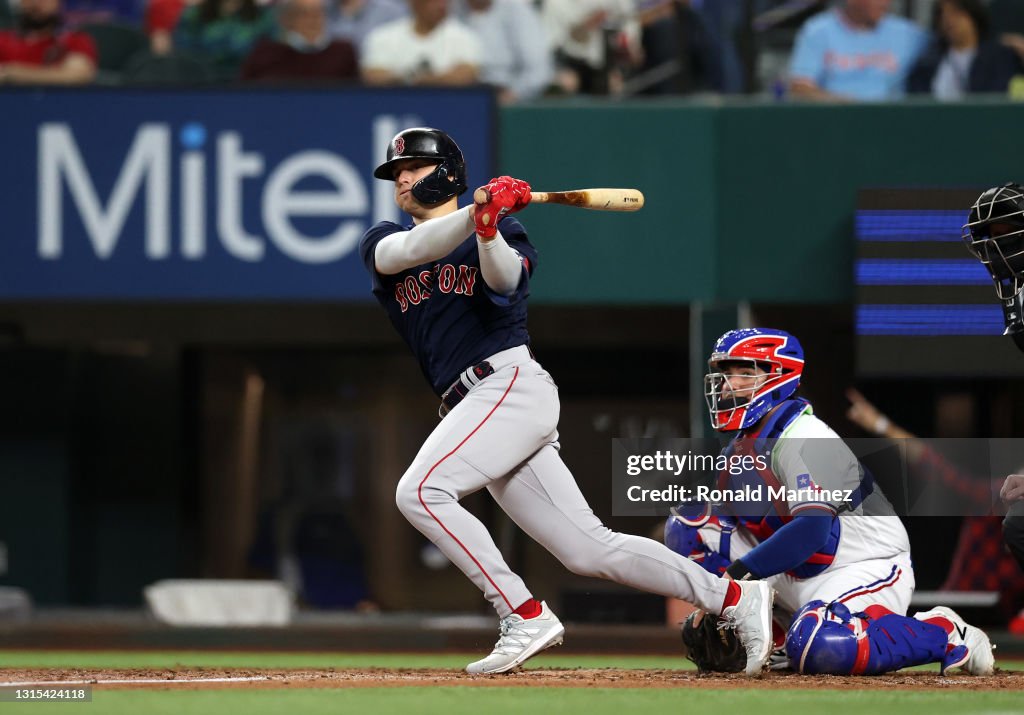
(1007, 16)
(159, 21)
(856, 51)
(961, 59)
(353, 20)
(40, 51)
(518, 57)
(676, 37)
(303, 48)
(1008, 24)
(78, 12)
(723, 20)
(223, 31)
(81, 12)
(579, 31)
(427, 48)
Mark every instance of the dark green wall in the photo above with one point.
(745, 201)
(35, 517)
(94, 471)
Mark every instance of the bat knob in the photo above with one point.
(481, 196)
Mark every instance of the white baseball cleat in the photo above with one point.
(978, 660)
(520, 640)
(751, 617)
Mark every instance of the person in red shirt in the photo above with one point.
(303, 48)
(39, 51)
(159, 22)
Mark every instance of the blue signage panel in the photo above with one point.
(202, 195)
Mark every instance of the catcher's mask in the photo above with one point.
(448, 179)
(764, 368)
(994, 233)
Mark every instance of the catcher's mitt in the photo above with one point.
(713, 649)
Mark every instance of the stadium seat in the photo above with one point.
(147, 68)
(1007, 16)
(116, 45)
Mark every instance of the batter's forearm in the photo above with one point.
(500, 266)
(426, 242)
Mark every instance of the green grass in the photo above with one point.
(497, 701)
(456, 700)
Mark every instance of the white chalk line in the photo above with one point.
(128, 681)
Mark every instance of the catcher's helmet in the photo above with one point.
(776, 352)
(994, 233)
(446, 181)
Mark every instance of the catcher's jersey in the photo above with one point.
(812, 470)
(445, 311)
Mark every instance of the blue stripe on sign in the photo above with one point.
(925, 320)
(922, 271)
(940, 226)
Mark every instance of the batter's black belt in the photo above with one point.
(470, 378)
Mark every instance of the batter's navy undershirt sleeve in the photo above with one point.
(790, 546)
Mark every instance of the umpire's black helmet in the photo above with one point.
(446, 181)
(994, 233)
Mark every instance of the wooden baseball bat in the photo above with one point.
(597, 199)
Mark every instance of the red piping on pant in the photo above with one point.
(419, 490)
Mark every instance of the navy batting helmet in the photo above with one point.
(446, 181)
(994, 233)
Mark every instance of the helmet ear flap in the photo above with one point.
(439, 185)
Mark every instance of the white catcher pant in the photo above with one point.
(503, 436)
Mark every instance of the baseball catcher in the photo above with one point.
(847, 580)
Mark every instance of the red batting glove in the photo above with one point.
(505, 196)
(519, 189)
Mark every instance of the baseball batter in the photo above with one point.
(455, 284)
(855, 570)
